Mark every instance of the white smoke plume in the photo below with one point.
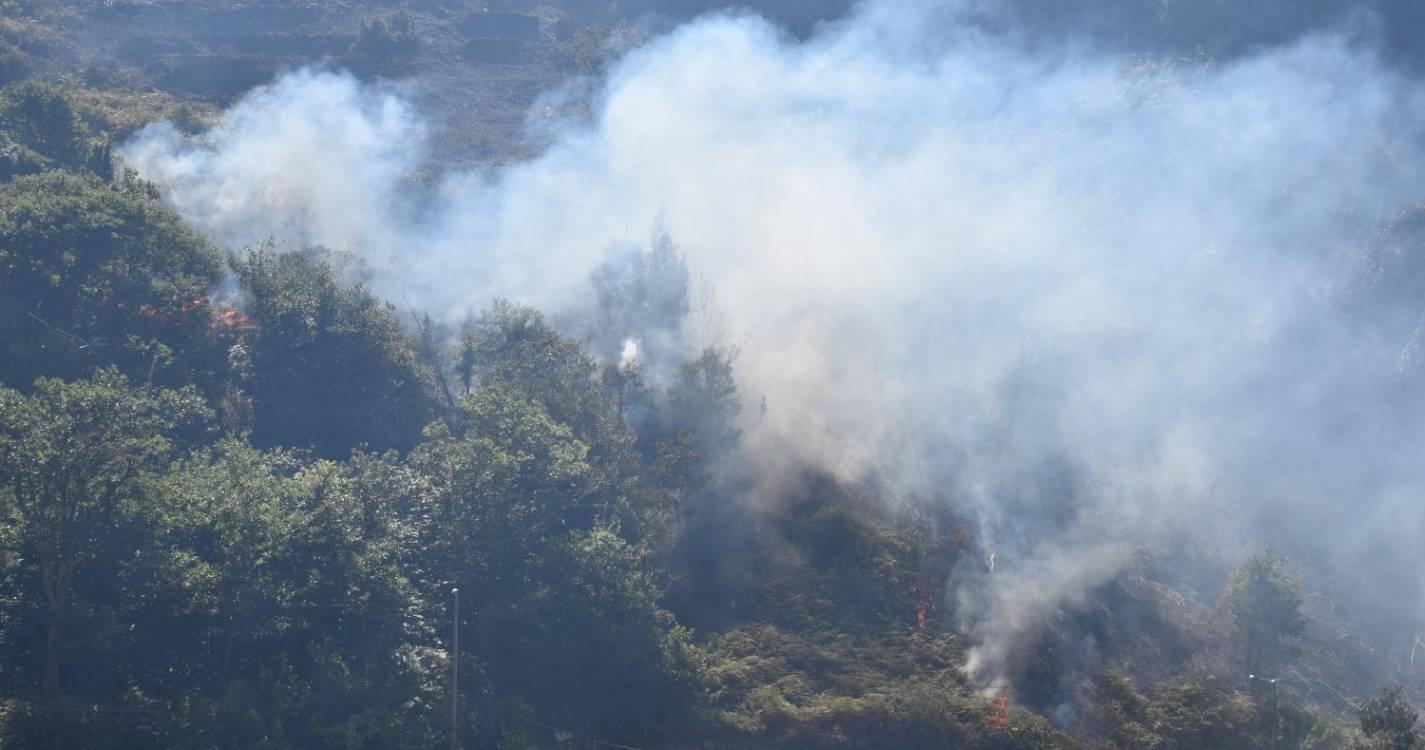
(629, 356)
(1088, 299)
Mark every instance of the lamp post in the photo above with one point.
(1276, 714)
(455, 672)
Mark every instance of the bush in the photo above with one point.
(330, 367)
(94, 274)
(42, 117)
(14, 63)
(385, 40)
(1388, 721)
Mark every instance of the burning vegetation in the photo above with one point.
(990, 376)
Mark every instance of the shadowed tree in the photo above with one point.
(331, 368)
(72, 456)
(39, 120)
(641, 294)
(704, 404)
(1265, 602)
(1388, 721)
(289, 622)
(93, 274)
(543, 515)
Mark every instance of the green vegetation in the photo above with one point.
(327, 365)
(1265, 602)
(387, 39)
(704, 402)
(1388, 722)
(95, 272)
(236, 493)
(42, 129)
(21, 40)
(73, 456)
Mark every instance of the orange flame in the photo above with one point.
(229, 317)
(922, 608)
(193, 304)
(1000, 718)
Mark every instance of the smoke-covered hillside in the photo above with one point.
(963, 374)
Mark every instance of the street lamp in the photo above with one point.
(455, 672)
(1276, 713)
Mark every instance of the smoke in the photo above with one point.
(1089, 299)
(629, 356)
(641, 300)
(314, 159)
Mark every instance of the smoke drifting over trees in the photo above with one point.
(1096, 302)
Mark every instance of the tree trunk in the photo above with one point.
(50, 689)
(56, 583)
(228, 649)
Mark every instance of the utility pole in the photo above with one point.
(1252, 681)
(455, 674)
(1276, 714)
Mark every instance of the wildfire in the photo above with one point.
(229, 317)
(1000, 718)
(193, 304)
(222, 318)
(922, 609)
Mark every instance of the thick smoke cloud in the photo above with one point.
(1092, 301)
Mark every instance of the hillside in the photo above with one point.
(804, 375)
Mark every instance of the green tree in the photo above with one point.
(534, 513)
(72, 456)
(1388, 721)
(1191, 714)
(289, 621)
(330, 367)
(15, 64)
(94, 274)
(704, 402)
(18, 159)
(510, 355)
(1265, 600)
(39, 117)
(387, 39)
(513, 346)
(640, 294)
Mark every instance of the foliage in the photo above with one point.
(93, 274)
(119, 112)
(283, 587)
(512, 346)
(293, 622)
(640, 295)
(15, 64)
(41, 118)
(1123, 715)
(1388, 721)
(523, 515)
(71, 457)
(588, 49)
(1197, 711)
(704, 403)
(18, 159)
(329, 367)
(386, 39)
(1265, 602)
(824, 688)
(509, 354)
